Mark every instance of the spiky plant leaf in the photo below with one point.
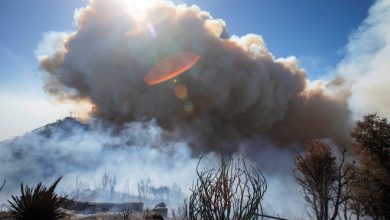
(37, 203)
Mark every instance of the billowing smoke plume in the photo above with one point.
(366, 64)
(237, 89)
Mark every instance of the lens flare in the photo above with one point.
(188, 107)
(171, 67)
(151, 29)
(181, 92)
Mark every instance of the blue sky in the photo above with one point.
(23, 23)
(313, 31)
(316, 32)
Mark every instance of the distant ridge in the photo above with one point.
(64, 126)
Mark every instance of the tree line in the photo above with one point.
(335, 187)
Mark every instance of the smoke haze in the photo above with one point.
(138, 151)
(366, 65)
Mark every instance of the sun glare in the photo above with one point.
(139, 11)
(137, 8)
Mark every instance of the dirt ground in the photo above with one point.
(98, 216)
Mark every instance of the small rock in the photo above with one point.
(161, 205)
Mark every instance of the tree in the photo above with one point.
(372, 136)
(324, 180)
(231, 191)
(107, 182)
(371, 186)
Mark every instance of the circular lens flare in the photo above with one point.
(188, 107)
(181, 91)
(171, 67)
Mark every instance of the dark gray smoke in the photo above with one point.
(237, 88)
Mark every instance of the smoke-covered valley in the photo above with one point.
(135, 152)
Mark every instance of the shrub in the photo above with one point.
(37, 203)
(125, 213)
(233, 191)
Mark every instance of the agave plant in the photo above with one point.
(37, 203)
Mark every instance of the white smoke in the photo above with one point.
(138, 151)
(366, 64)
(135, 152)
